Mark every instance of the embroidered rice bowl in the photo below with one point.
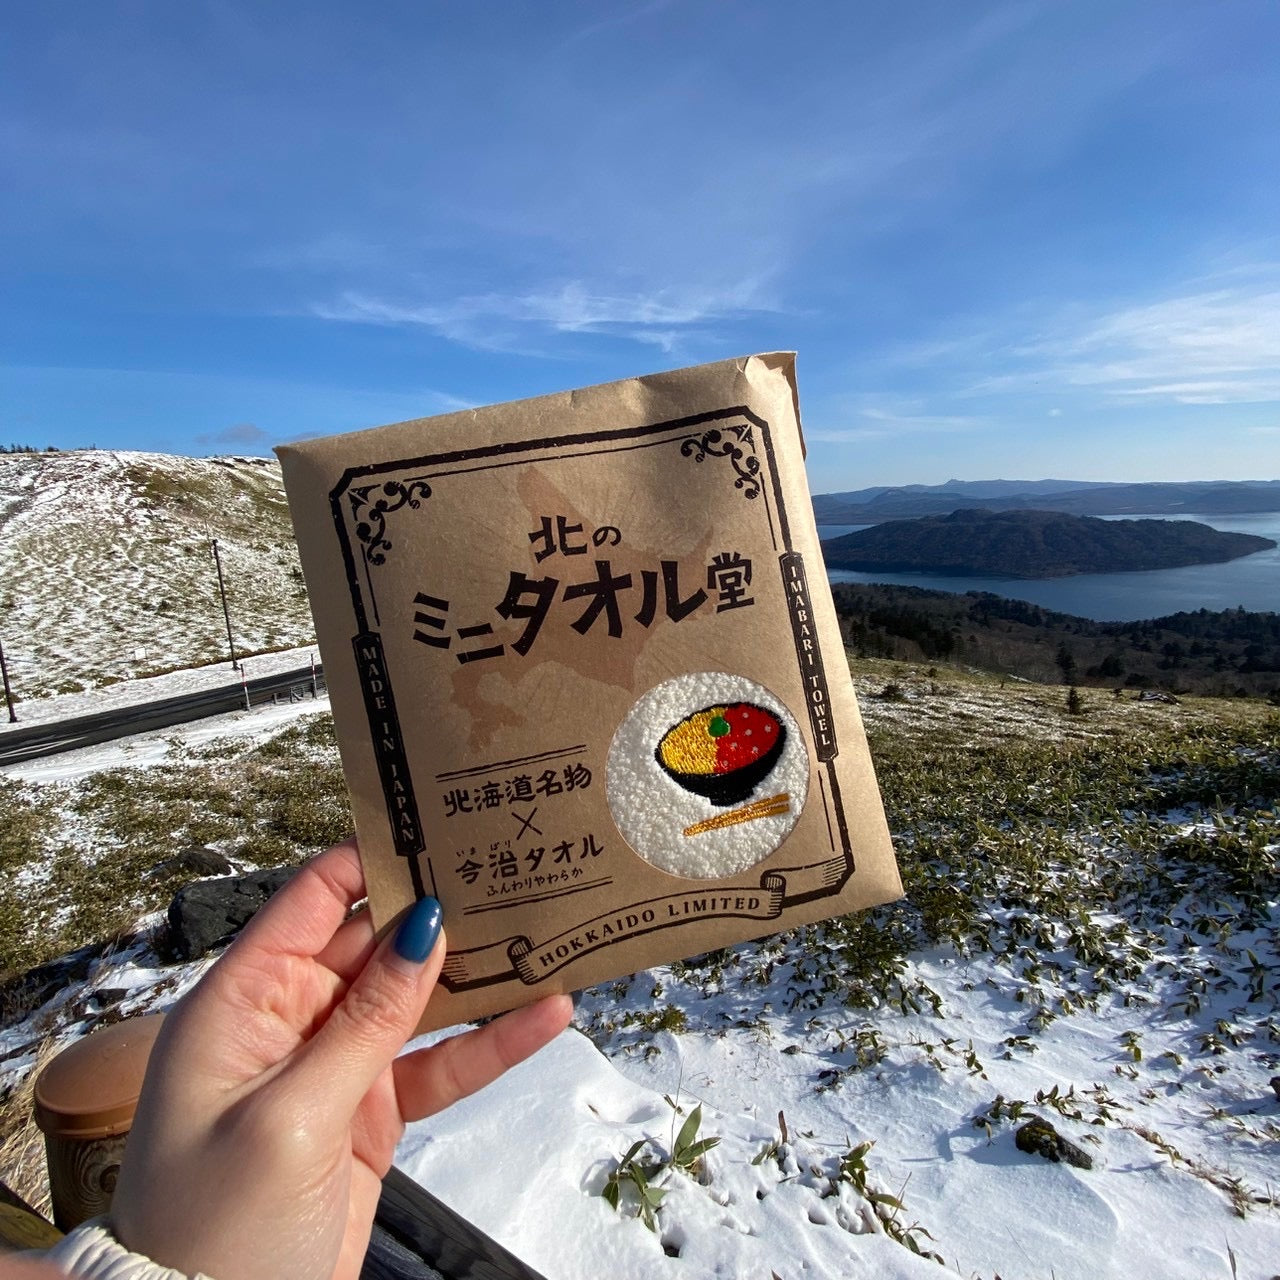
(707, 775)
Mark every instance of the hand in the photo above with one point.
(13, 1268)
(274, 1101)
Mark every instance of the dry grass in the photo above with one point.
(85, 859)
(22, 1162)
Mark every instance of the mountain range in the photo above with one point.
(1076, 497)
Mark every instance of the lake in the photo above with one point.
(1251, 582)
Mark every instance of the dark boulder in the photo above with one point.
(196, 861)
(211, 911)
(1039, 1138)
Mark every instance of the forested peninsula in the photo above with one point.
(1034, 544)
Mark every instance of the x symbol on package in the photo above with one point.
(526, 824)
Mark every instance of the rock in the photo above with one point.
(1275, 1085)
(197, 861)
(1039, 1138)
(23, 992)
(103, 998)
(209, 911)
(1157, 695)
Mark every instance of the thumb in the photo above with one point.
(380, 1010)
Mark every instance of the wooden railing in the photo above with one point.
(414, 1228)
(415, 1237)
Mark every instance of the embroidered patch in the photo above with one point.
(707, 775)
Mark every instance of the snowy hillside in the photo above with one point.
(106, 569)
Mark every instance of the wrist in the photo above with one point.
(92, 1252)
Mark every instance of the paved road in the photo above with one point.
(88, 731)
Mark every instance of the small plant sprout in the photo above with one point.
(853, 1169)
(688, 1149)
(972, 1062)
(773, 1150)
(638, 1174)
(632, 1172)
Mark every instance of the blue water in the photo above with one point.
(1251, 582)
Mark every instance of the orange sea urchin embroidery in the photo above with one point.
(723, 752)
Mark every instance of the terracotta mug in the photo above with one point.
(84, 1104)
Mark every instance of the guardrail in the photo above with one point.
(104, 726)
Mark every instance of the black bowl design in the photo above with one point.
(723, 752)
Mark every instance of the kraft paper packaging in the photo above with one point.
(587, 679)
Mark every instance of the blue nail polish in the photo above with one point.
(418, 931)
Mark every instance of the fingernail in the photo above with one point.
(418, 931)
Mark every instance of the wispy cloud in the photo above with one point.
(245, 433)
(326, 251)
(874, 423)
(1216, 342)
(906, 421)
(632, 214)
(500, 322)
(639, 14)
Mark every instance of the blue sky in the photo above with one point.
(1018, 240)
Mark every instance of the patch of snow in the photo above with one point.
(131, 693)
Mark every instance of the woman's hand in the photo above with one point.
(274, 1100)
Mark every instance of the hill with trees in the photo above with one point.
(1230, 653)
(1034, 544)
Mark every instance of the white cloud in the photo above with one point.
(658, 195)
(1218, 342)
(504, 322)
(848, 435)
(907, 421)
(611, 23)
(326, 251)
(876, 423)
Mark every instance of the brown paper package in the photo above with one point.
(587, 679)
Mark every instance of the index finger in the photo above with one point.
(302, 918)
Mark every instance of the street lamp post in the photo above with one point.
(226, 613)
(8, 693)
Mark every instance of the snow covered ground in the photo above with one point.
(1174, 1105)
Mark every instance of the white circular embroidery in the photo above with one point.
(701, 824)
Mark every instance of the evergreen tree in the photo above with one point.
(1067, 663)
